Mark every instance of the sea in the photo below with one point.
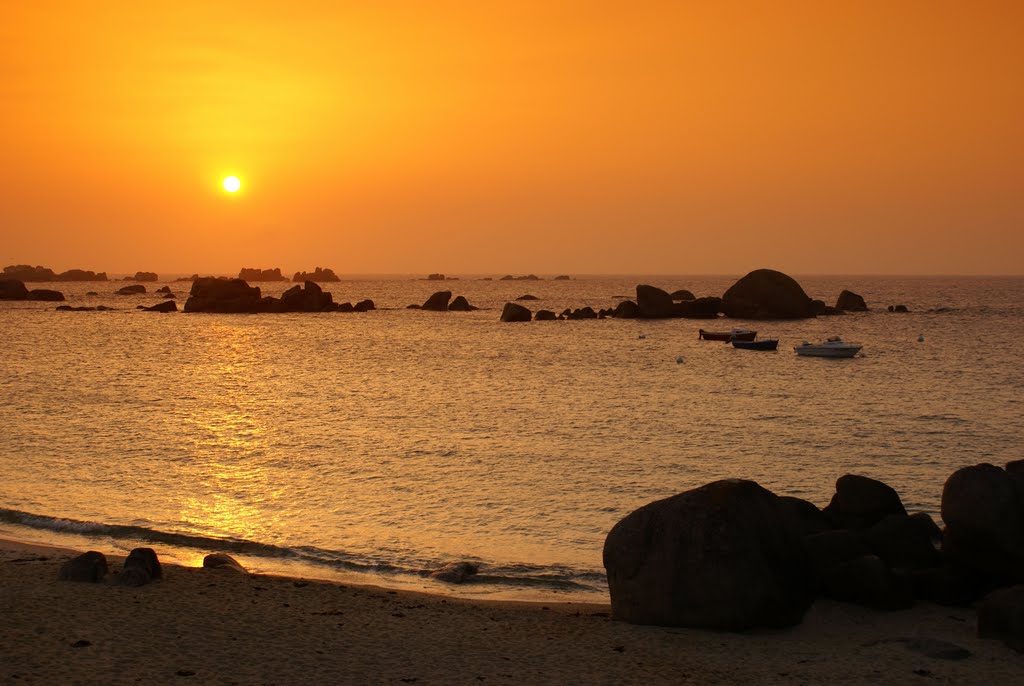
(376, 447)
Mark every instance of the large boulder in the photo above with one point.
(224, 562)
(726, 555)
(140, 567)
(905, 542)
(166, 306)
(767, 294)
(257, 274)
(144, 276)
(82, 275)
(700, 308)
(364, 306)
(545, 316)
(984, 517)
(654, 303)
(438, 302)
(867, 581)
(627, 309)
(12, 289)
(306, 298)
(319, 274)
(25, 272)
(683, 294)
(134, 289)
(1001, 615)
(861, 502)
(45, 295)
(90, 567)
(809, 516)
(460, 304)
(848, 301)
(515, 313)
(455, 572)
(223, 295)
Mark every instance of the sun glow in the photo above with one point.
(231, 184)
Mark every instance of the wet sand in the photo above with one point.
(199, 626)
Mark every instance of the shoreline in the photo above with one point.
(218, 627)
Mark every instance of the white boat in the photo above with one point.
(833, 347)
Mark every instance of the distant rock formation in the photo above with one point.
(683, 294)
(45, 295)
(143, 276)
(24, 272)
(306, 298)
(515, 313)
(460, 304)
(527, 296)
(699, 308)
(767, 294)
(438, 302)
(562, 277)
(319, 275)
(436, 277)
(136, 289)
(364, 306)
(627, 309)
(166, 306)
(528, 277)
(848, 301)
(654, 303)
(163, 289)
(224, 296)
(257, 274)
(69, 308)
(899, 308)
(544, 316)
(13, 289)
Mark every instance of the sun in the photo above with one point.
(231, 184)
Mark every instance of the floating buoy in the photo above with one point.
(642, 337)
(920, 338)
(679, 360)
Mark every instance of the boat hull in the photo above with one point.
(767, 344)
(821, 351)
(726, 335)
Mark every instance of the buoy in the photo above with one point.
(642, 337)
(920, 338)
(679, 360)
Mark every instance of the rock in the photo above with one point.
(809, 516)
(942, 585)
(318, 274)
(683, 294)
(562, 277)
(767, 294)
(726, 555)
(143, 276)
(140, 567)
(90, 567)
(627, 309)
(167, 296)
(527, 297)
(528, 277)
(223, 562)
(829, 549)
(435, 277)
(347, 307)
(544, 316)
(224, 296)
(92, 293)
(455, 572)
(45, 295)
(460, 304)
(898, 308)
(905, 542)
(163, 289)
(135, 289)
(818, 307)
(413, 307)
(24, 272)
(166, 306)
(69, 308)
(654, 303)
(256, 274)
(438, 302)
(861, 502)
(515, 313)
(867, 581)
(82, 275)
(308, 297)
(365, 306)
(848, 301)
(1001, 615)
(582, 313)
(701, 308)
(984, 518)
(13, 289)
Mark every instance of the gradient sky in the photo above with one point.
(703, 137)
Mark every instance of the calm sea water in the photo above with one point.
(390, 442)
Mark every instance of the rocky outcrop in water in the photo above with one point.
(320, 275)
(528, 277)
(167, 306)
(515, 313)
(11, 289)
(683, 294)
(848, 301)
(438, 302)
(143, 276)
(24, 272)
(767, 294)
(257, 274)
(308, 297)
(654, 303)
(455, 572)
(45, 295)
(136, 289)
(545, 316)
(225, 296)
(460, 304)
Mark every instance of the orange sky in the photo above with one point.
(377, 136)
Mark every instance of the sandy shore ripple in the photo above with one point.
(206, 627)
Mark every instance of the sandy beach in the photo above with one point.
(218, 627)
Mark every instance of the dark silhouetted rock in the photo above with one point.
(347, 307)
(69, 308)
(515, 313)
(135, 289)
(701, 308)
(140, 567)
(528, 277)
(582, 313)
(438, 302)
(223, 562)
(809, 516)
(1001, 615)
(167, 306)
(224, 296)
(365, 306)
(527, 296)
(683, 294)
(455, 572)
(943, 585)
(460, 304)
(24, 272)
(818, 307)
(82, 275)
(319, 275)
(89, 567)
(92, 293)
(167, 296)
(163, 289)
(767, 294)
(627, 309)
(984, 519)
(257, 274)
(435, 277)
(45, 295)
(905, 542)
(848, 301)
(12, 289)
(867, 581)
(726, 555)
(308, 297)
(561, 277)
(898, 308)
(861, 502)
(829, 549)
(545, 316)
(143, 276)
(654, 303)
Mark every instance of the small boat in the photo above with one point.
(763, 344)
(833, 347)
(734, 335)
